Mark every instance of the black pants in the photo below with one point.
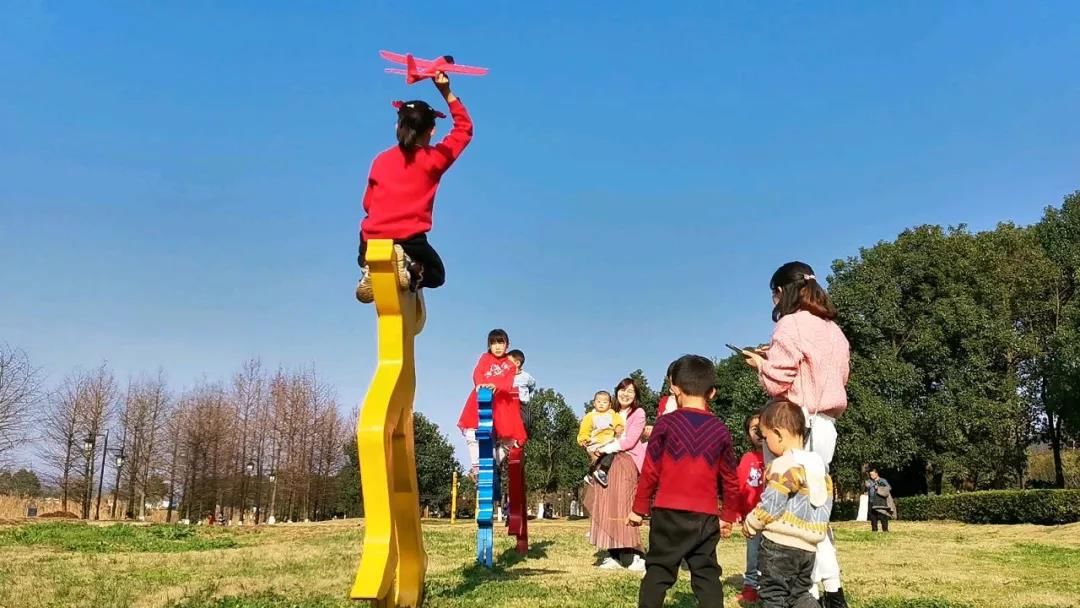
(420, 251)
(786, 576)
(877, 516)
(673, 537)
(603, 463)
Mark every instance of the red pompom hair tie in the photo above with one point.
(412, 104)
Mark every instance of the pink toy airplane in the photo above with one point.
(420, 69)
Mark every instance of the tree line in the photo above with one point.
(965, 354)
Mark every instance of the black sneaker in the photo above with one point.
(601, 477)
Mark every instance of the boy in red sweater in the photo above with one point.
(494, 370)
(751, 474)
(401, 187)
(689, 464)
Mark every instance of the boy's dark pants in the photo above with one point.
(786, 576)
(420, 251)
(673, 537)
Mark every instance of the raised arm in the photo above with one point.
(778, 371)
(450, 148)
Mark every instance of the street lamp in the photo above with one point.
(273, 495)
(88, 475)
(116, 488)
(243, 489)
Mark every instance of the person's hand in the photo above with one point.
(595, 452)
(647, 432)
(583, 442)
(442, 82)
(633, 519)
(753, 359)
(725, 529)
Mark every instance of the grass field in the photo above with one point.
(918, 565)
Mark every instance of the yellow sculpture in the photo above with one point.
(393, 562)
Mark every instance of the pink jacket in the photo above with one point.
(631, 439)
(807, 364)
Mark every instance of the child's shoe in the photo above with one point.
(638, 565)
(749, 595)
(403, 265)
(589, 479)
(601, 477)
(364, 292)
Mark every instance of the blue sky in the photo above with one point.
(180, 182)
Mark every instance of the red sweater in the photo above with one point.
(751, 474)
(505, 409)
(401, 188)
(688, 462)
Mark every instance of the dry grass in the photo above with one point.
(918, 565)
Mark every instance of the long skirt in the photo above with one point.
(609, 507)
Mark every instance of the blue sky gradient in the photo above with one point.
(180, 182)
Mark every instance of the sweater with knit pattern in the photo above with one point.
(689, 464)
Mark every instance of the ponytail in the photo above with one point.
(416, 119)
(800, 290)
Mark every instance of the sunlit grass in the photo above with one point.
(917, 565)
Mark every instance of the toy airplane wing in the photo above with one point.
(420, 69)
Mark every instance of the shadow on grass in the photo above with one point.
(511, 557)
(475, 575)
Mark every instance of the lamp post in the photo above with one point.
(101, 478)
(273, 495)
(248, 470)
(258, 488)
(88, 446)
(116, 487)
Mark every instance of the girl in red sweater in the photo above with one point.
(751, 473)
(494, 370)
(401, 187)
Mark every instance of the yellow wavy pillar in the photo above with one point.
(392, 562)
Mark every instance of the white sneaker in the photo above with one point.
(610, 564)
(638, 565)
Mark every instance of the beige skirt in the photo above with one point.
(609, 507)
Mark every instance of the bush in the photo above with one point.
(1045, 507)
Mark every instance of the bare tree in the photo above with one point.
(59, 424)
(97, 402)
(142, 420)
(19, 386)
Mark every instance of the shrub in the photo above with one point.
(1045, 507)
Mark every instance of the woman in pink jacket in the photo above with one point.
(610, 506)
(807, 363)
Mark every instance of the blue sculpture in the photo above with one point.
(487, 481)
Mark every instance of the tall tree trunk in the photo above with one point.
(1055, 446)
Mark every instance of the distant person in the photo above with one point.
(807, 363)
(793, 513)
(751, 474)
(689, 467)
(524, 384)
(599, 429)
(882, 508)
(401, 186)
(494, 371)
(610, 506)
